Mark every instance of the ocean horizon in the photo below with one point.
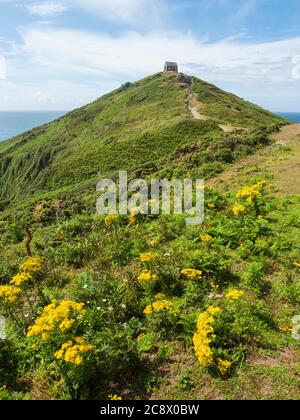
(292, 116)
(13, 123)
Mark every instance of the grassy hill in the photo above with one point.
(141, 127)
(145, 306)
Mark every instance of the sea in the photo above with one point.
(13, 123)
(292, 116)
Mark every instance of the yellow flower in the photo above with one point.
(66, 324)
(21, 278)
(147, 276)
(9, 294)
(211, 206)
(32, 265)
(238, 209)
(109, 220)
(114, 398)
(61, 315)
(214, 310)
(223, 366)
(158, 306)
(206, 238)
(205, 336)
(73, 352)
(251, 192)
(148, 257)
(191, 274)
(235, 294)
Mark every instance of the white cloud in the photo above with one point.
(2, 68)
(71, 52)
(46, 9)
(256, 71)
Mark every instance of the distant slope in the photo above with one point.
(139, 127)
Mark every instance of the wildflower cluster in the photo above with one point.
(114, 398)
(223, 366)
(158, 306)
(61, 315)
(9, 294)
(235, 294)
(205, 336)
(147, 276)
(239, 209)
(148, 257)
(73, 351)
(21, 278)
(32, 265)
(29, 269)
(191, 274)
(250, 193)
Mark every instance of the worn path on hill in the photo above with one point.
(281, 159)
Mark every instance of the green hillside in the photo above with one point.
(144, 306)
(141, 127)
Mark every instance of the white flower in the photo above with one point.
(98, 309)
(123, 306)
(85, 286)
(110, 309)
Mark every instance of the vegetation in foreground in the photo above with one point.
(106, 303)
(139, 306)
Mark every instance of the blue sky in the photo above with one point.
(61, 54)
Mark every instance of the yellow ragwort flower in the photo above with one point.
(60, 315)
(114, 398)
(21, 278)
(148, 257)
(251, 192)
(206, 238)
(191, 274)
(158, 306)
(9, 294)
(73, 352)
(32, 265)
(223, 366)
(239, 209)
(147, 276)
(235, 294)
(205, 336)
(214, 310)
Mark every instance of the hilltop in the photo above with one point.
(181, 124)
